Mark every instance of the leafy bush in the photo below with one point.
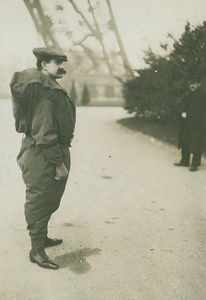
(160, 88)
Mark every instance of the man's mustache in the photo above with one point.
(61, 71)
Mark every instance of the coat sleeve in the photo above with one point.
(42, 127)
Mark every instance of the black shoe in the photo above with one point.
(181, 164)
(193, 168)
(39, 257)
(52, 242)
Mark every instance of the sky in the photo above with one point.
(141, 23)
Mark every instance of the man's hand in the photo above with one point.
(184, 115)
(61, 172)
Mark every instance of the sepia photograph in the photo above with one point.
(103, 150)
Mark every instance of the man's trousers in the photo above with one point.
(43, 192)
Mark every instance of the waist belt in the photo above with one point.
(31, 141)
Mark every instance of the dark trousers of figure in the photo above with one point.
(43, 192)
(196, 158)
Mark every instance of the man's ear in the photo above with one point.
(43, 65)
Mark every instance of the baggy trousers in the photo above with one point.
(43, 192)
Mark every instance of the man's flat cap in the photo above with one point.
(52, 53)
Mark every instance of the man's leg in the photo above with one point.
(185, 157)
(196, 161)
(38, 215)
(43, 195)
(38, 232)
(38, 210)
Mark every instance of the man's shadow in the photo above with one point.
(76, 260)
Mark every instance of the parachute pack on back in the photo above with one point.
(21, 98)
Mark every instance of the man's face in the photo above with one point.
(54, 68)
(194, 86)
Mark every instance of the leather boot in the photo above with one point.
(181, 164)
(193, 168)
(52, 242)
(38, 256)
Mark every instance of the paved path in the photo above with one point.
(134, 226)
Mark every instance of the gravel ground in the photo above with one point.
(134, 226)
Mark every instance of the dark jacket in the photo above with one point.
(43, 110)
(193, 127)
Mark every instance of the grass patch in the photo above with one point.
(160, 131)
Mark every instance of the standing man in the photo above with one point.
(45, 113)
(193, 126)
